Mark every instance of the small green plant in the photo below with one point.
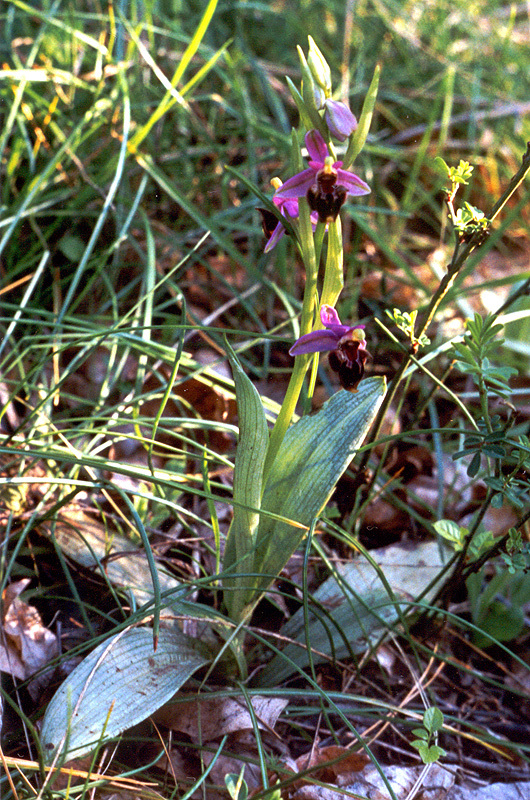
(406, 322)
(473, 356)
(236, 785)
(497, 599)
(467, 220)
(498, 592)
(517, 555)
(426, 741)
(458, 536)
(458, 176)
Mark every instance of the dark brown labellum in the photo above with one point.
(348, 362)
(268, 221)
(326, 204)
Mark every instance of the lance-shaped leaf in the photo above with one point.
(313, 455)
(357, 605)
(357, 141)
(248, 472)
(119, 684)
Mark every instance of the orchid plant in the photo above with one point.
(283, 478)
(275, 473)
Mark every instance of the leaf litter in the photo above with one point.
(89, 542)
(125, 566)
(26, 645)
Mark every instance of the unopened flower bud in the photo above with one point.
(319, 67)
(318, 95)
(339, 119)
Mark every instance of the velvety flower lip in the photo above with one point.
(346, 346)
(329, 337)
(298, 185)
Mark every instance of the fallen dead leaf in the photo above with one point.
(26, 646)
(434, 785)
(370, 785)
(335, 764)
(205, 720)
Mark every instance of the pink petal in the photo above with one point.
(328, 316)
(316, 147)
(296, 186)
(352, 183)
(314, 342)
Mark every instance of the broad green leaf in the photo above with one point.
(429, 755)
(118, 685)
(500, 622)
(313, 455)
(236, 786)
(360, 607)
(248, 472)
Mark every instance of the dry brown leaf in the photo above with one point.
(434, 786)
(26, 646)
(86, 540)
(370, 785)
(206, 720)
(175, 765)
(225, 764)
(208, 402)
(345, 762)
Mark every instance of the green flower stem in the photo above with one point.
(484, 406)
(306, 325)
(439, 295)
(286, 412)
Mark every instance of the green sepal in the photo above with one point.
(308, 96)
